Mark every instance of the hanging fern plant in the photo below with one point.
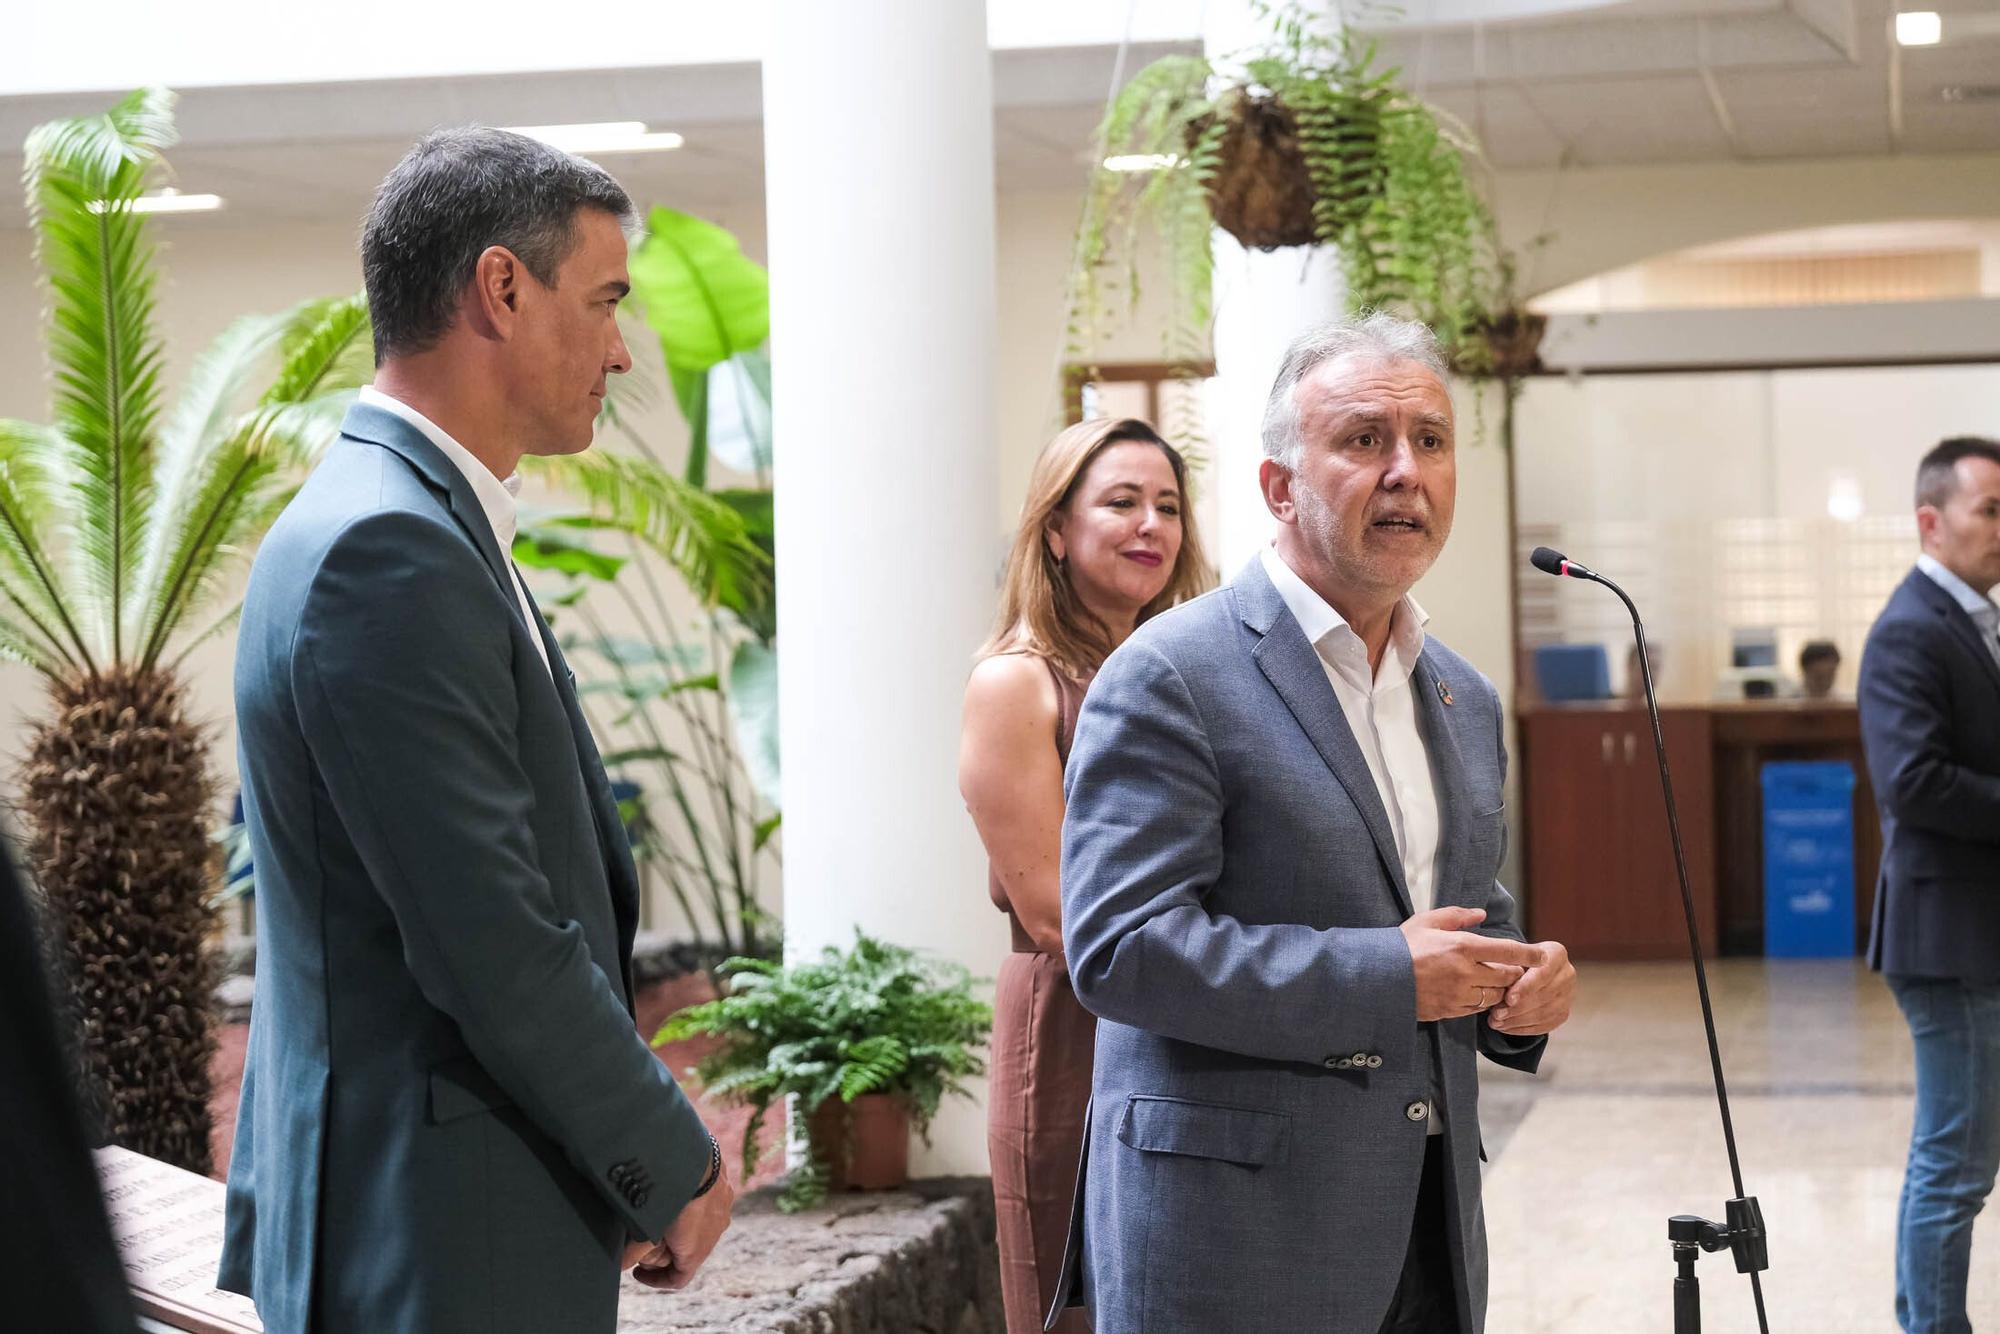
(1304, 143)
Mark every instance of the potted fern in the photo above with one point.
(868, 1041)
(1303, 141)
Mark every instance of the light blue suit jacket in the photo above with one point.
(1231, 899)
(449, 1121)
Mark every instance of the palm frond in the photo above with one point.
(29, 577)
(237, 488)
(223, 482)
(209, 405)
(95, 251)
(326, 348)
(704, 539)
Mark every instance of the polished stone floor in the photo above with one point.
(1620, 1131)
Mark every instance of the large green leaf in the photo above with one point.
(738, 408)
(562, 548)
(705, 299)
(753, 702)
(755, 604)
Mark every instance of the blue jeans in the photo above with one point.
(1954, 1146)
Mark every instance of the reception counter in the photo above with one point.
(1599, 872)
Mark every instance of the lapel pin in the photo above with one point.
(1444, 692)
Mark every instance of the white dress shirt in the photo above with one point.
(1381, 712)
(496, 497)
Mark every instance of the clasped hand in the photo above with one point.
(1525, 988)
(671, 1262)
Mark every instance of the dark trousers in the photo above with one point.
(1426, 1300)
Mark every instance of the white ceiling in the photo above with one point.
(1646, 81)
(1755, 80)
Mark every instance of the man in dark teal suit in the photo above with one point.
(449, 1121)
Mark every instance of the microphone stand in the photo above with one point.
(1742, 1234)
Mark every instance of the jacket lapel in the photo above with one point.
(372, 425)
(1447, 778)
(1958, 618)
(1294, 670)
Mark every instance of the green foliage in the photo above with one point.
(688, 709)
(878, 1018)
(711, 307)
(1389, 182)
(119, 520)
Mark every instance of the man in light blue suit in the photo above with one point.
(449, 1121)
(1284, 823)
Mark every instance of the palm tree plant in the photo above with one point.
(120, 521)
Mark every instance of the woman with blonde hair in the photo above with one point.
(1105, 542)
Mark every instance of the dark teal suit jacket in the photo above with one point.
(449, 1121)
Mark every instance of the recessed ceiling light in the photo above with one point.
(600, 137)
(1919, 27)
(166, 201)
(1141, 162)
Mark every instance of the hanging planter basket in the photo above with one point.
(1506, 346)
(1263, 192)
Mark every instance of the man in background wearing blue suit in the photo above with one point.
(1285, 819)
(449, 1121)
(1930, 721)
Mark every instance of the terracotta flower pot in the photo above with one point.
(865, 1143)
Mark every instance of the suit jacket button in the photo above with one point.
(1342, 1064)
(1374, 1062)
(1360, 1058)
(1332, 1063)
(1417, 1111)
(640, 1196)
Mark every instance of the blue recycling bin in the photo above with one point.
(1808, 859)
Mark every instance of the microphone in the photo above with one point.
(1744, 1233)
(1550, 561)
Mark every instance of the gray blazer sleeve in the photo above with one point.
(408, 701)
(1142, 848)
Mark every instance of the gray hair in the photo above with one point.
(456, 193)
(1376, 335)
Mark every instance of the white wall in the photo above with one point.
(1607, 217)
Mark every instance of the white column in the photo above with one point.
(878, 131)
(1263, 299)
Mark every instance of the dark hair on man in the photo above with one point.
(1937, 479)
(1818, 650)
(451, 197)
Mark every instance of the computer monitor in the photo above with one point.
(1568, 672)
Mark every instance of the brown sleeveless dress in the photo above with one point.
(1043, 1045)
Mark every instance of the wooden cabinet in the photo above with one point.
(1600, 866)
(1599, 871)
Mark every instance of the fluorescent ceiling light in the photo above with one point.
(1141, 162)
(1919, 27)
(611, 136)
(168, 200)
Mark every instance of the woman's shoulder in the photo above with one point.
(1016, 682)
